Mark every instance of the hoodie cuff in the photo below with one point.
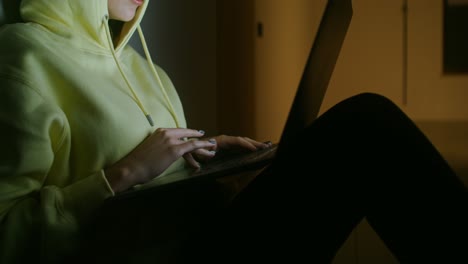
(88, 194)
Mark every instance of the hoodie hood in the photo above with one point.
(87, 19)
(85, 23)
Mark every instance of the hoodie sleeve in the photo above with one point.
(39, 219)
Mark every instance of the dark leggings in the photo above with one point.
(363, 158)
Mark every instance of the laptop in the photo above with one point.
(304, 109)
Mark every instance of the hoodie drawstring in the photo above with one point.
(127, 81)
(156, 75)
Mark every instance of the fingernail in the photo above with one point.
(212, 140)
(201, 132)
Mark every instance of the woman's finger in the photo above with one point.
(195, 145)
(258, 144)
(191, 161)
(179, 133)
(204, 154)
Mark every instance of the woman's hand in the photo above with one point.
(229, 144)
(155, 154)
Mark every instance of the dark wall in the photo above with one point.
(181, 36)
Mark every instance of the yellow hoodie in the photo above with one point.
(70, 105)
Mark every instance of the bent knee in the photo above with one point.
(372, 100)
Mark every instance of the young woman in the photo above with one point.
(84, 116)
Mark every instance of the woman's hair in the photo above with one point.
(115, 27)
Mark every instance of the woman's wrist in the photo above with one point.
(120, 178)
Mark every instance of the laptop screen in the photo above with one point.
(319, 67)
